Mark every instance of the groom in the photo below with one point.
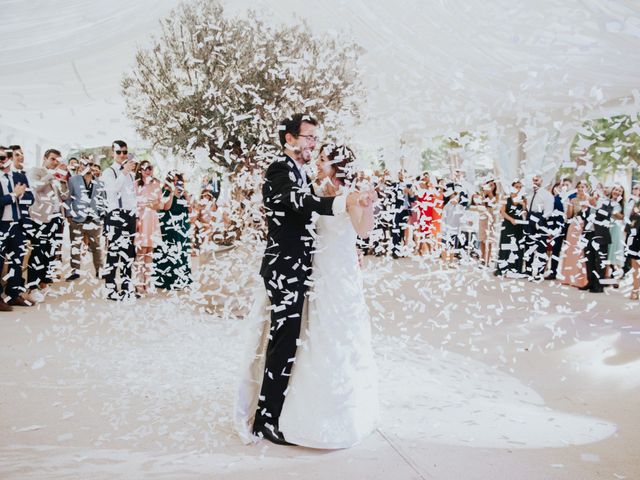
(286, 265)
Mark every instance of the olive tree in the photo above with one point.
(219, 83)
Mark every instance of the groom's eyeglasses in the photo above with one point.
(309, 137)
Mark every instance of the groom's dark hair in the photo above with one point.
(292, 125)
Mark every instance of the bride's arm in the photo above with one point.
(362, 219)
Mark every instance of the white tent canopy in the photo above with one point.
(434, 67)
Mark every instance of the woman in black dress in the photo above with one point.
(633, 248)
(511, 248)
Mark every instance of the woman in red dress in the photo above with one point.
(436, 205)
(425, 203)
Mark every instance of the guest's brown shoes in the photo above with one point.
(5, 307)
(19, 302)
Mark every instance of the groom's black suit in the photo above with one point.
(285, 269)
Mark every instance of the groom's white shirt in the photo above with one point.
(339, 203)
(303, 173)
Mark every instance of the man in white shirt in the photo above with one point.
(539, 211)
(12, 240)
(120, 222)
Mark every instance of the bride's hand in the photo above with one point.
(367, 198)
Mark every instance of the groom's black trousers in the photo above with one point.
(286, 303)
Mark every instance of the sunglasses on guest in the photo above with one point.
(147, 168)
(121, 152)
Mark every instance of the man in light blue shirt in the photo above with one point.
(87, 205)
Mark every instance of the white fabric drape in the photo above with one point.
(505, 145)
(546, 146)
(428, 67)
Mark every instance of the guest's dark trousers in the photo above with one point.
(120, 229)
(286, 314)
(45, 238)
(92, 229)
(399, 224)
(556, 245)
(596, 252)
(12, 251)
(535, 245)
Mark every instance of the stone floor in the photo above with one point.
(480, 378)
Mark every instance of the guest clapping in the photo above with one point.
(12, 237)
(49, 185)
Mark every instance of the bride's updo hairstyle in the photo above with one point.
(342, 161)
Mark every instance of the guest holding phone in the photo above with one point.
(172, 258)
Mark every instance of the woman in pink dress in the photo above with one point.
(488, 223)
(149, 195)
(574, 263)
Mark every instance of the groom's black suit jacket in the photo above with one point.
(288, 208)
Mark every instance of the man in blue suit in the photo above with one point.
(12, 239)
(20, 176)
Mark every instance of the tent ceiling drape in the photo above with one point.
(429, 67)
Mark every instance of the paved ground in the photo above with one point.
(480, 379)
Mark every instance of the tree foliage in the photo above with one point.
(223, 84)
(608, 144)
(442, 152)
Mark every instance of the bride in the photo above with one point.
(332, 397)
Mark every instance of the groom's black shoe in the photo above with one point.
(270, 433)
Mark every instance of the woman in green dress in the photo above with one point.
(172, 256)
(615, 255)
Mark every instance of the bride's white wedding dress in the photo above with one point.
(332, 398)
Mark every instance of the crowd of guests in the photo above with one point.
(582, 235)
(139, 231)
